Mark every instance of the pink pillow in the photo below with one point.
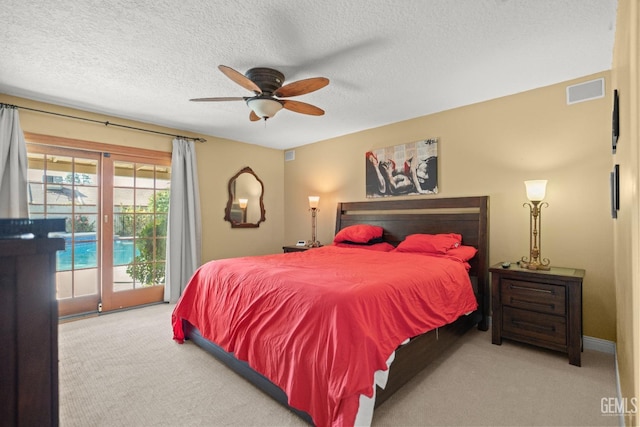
(382, 247)
(430, 243)
(360, 233)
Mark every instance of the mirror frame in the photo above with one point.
(227, 211)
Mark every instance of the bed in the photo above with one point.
(244, 338)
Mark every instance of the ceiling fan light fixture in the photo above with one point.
(265, 108)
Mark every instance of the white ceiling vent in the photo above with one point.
(586, 91)
(289, 155)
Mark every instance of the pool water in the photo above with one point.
(85, 248)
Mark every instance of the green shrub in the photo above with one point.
(151, 231)
(80, 224)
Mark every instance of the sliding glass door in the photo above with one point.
(138, 203)
(66, 184)
(115, 207)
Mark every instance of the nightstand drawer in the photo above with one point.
(541, 297)
(522, 323)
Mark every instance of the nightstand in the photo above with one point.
(294, 248)
(542, 308)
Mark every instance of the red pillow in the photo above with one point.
(461, 253)
(382, 247)
(430, 243)
(360, 233)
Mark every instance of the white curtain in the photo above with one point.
(184, 225)
(13, 165)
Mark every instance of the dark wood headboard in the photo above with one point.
(468, 216)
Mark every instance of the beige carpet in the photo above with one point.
(124, 369)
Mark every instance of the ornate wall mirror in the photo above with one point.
(245, 208)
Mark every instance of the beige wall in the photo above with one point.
(490, 148)
(218, 161)
(625, 76)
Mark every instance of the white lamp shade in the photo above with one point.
(536, 189)
(243, 203)
(314, 201)
(264, 108)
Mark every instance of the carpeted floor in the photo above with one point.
(124, 369)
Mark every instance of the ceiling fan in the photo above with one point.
(266, 84)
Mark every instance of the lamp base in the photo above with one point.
(534, 266)
(312, 244)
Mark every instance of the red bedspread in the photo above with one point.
(320, 323)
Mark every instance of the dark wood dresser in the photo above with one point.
(28, 332)
(542, 308)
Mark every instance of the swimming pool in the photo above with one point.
(85, 248)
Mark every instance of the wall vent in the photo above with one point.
(289, 155)
(586, 91)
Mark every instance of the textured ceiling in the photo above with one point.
(387, 60)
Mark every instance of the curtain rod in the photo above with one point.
(106, 123)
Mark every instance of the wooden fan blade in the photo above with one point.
(302, 87)
(233, 98)
(301, 107)
(253, 116)
(240, 78)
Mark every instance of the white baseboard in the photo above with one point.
(598, 344)
(606, 346)
(621, 420)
